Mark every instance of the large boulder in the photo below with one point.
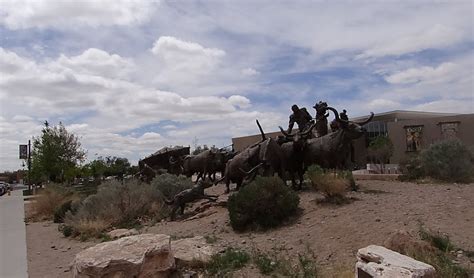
(145, 255)
(118, 233)
(378, 261)
(192, 251)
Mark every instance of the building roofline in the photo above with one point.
(426, 113)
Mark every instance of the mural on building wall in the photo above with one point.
(413, 137)
(449, 130)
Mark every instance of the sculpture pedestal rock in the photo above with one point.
(192, 251)
(118, 233)
(378, 261)
(146, 255)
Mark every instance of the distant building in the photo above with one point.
(409, 131)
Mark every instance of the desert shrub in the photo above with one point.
(170, 185)
(347, 175)
(65, 230)
(266, 264)
(266, 202)
(332, 184)
(314, 173)
(48, 202)
(229, 260)
(448, 160)
(118, 205)
(411, 168)
(279, 265)
(60, 212)
(442, 242)
(436, 252)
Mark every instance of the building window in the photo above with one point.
(375, 129)
(413, 137)
(449, 130)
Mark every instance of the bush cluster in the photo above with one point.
(116, 204)
(48, 204)
(266, 202)
(439, 256)
(229, 260)
(332, 184)
(448, 160)
(170, 185)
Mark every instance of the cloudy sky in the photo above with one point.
(130, 77)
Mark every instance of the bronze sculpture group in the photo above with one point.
(288, 156)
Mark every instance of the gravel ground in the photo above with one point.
(333, 233)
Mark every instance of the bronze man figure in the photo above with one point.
(300, 116)
(321, 118)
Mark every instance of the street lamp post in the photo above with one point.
(25, 153)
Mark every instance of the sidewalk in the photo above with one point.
(13, 261)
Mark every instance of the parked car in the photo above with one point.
(4, 188)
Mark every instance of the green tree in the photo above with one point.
(56, 154)
(96, 168)
(380, 150)
(116, 166)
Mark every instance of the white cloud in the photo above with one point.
(250, 72)
(239, 101)
(20, 14)
(171, 48)
(22, 118)
(11, 63)
(184, 64)
(67, 87)
(130, 78)
(447, 105)
(98, 62)
(414, 75)
(382, 105)
(435, 37)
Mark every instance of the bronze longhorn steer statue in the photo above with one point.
(333, 149)
(265, 156)
(293, 151)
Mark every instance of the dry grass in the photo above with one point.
(433, 249)
(332, 185)
(89, 228)
(48, 201)
(126, 205)
(339, 271)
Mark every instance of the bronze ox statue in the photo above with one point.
(206, 163)
(265, 156)
(333, 150)
(329, 151)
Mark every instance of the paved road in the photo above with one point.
(13, 261)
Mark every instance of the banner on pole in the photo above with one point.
(23, 151)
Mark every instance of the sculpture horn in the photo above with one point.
(336, 114)
(284, 132)
(309, 130)
(251, 170)
(261, 131)
(368, 120)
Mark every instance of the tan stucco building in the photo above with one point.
(409, 131)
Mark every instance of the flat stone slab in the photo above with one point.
(378, 261)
